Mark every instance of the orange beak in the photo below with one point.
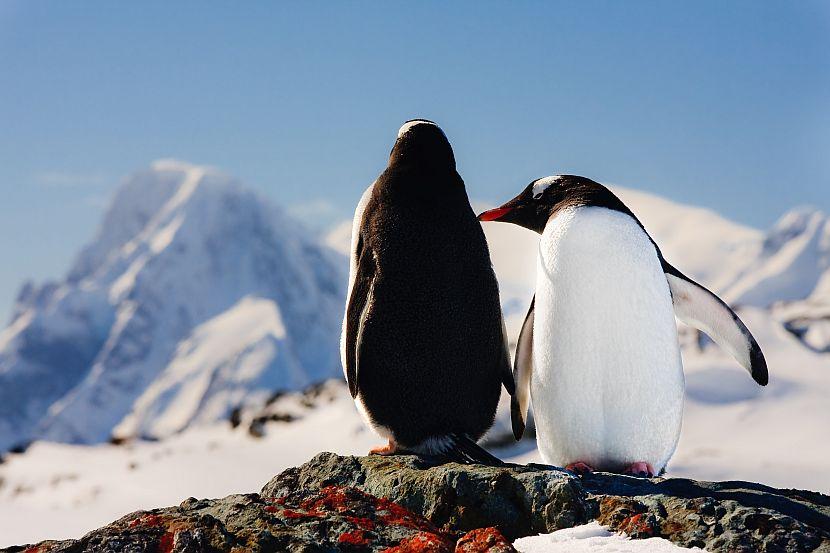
(495, 214)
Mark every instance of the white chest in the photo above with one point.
(607, 385)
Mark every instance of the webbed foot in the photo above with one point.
(389, 449)
(640, 468)
(579, 468)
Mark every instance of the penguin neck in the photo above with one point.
(427, 186)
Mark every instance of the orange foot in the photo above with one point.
(579, 467)
(389, 449)
(640, 468)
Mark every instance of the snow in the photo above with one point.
(796, 255)
(233, 359)
(62, 491)
(592, 538)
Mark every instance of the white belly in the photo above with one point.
(607, 384)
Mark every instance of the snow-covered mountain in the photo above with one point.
(794, 256)
(194, 296)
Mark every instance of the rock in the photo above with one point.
(334, 518)
(484, 539)
(535, 499)
(519, 501)
(402, 504)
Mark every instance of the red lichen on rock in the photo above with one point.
(354, 537)
(422, 542)
(366, 516)
(397, 515)
(484, 539)
(148, 519)
(332, 498)
(362, 522)
(290, 513)
(637, 526)
(166, 543)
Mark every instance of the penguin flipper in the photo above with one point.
(356, 311)
(522, 370)
(700, 308)
(504, 361)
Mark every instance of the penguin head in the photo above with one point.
(540, 199)
(422, 145)
(534, 205)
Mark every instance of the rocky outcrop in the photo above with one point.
(332, 518)
(402, 504)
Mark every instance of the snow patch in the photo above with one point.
(592, 538)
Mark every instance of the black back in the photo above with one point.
(429, 348)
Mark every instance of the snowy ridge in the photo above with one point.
(795, 256)
(179, 246)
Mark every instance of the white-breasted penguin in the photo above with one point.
(598, 353)
(423, 346)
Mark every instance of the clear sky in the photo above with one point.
(721, 104)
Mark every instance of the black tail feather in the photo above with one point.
(472, 453)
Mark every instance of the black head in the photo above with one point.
(422, 145)
(535, 205)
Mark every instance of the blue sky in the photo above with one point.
(721, 104)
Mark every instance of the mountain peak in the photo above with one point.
(179, 246)
(794, 223)
(178, 165)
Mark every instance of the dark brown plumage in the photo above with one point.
(425, 349)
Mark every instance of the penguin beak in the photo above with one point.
(494, 214)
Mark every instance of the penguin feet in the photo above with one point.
(389, 449)
(579, 468)
(641, 469)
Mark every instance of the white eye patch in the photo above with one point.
(409, 124)
(542, 184)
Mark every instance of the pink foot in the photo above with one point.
(579, 467)
(640, 468)
(389, 449)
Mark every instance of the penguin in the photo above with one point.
(598, 353)
(423, 346)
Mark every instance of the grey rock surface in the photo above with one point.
(402, 503)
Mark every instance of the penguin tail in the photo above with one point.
(459, 448)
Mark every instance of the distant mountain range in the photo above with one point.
(196, 296)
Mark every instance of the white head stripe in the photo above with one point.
(409, 124)
(542, 184)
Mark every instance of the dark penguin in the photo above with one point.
(598, 351)
(423, 347)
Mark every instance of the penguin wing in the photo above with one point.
(504, 361)
(356, 310)
(700, 308)
(522, 369)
